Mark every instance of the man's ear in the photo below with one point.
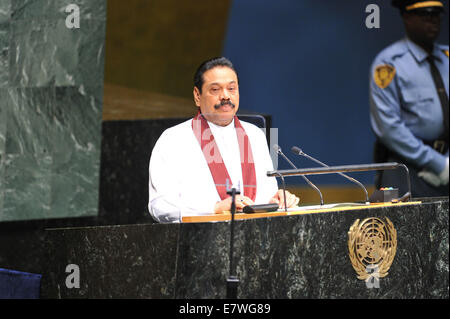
(196, 96)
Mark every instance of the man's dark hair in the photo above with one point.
(208, 65)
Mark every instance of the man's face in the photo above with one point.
(423, 27)
(219, 100)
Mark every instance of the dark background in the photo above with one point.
(307, 64)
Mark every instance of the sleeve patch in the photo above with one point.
(383, 75)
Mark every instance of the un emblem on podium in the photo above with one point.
(372, 245)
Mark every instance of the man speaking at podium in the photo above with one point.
(409, 102)
(191, 162)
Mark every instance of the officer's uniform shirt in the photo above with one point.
(405, 109)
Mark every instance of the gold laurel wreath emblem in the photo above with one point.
(372, 244)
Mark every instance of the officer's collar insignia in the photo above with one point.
(446, 52)
(383, 75)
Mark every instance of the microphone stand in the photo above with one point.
(232, 280)
(298, 151)
(278, 149)
(347, 168)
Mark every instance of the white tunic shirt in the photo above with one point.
(180, 182)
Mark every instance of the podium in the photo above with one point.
(281, 255)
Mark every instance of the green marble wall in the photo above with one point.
(51, 92)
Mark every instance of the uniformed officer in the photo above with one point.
(409, 86)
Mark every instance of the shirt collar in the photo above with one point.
(437, 53)
(216, 127)
(420, 54)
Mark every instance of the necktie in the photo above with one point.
(441, 92)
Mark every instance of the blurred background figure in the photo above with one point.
(409, 103)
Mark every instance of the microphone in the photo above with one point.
(278, 150)
(298, 151)
(232, 281)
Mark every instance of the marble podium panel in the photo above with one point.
(294, 256)
(51, 96)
